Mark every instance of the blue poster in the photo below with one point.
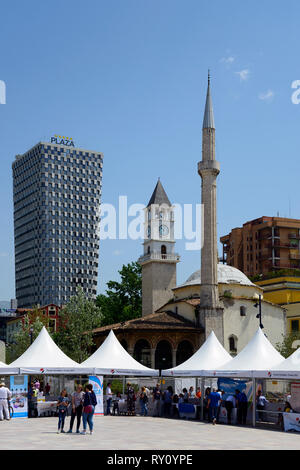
(97, 382)
(19, 400)
(231, 385)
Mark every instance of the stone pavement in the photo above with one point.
(135, 433)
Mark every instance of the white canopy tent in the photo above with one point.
(258, 355)
(211, 355)
(45, 357)
(112, 359)
(8, 370)
(287, 369)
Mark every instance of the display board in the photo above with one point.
(291, 421)
(295, 396)
(97, 382)
(19, 399)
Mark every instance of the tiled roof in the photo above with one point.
(155, 321)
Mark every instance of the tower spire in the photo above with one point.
(208, 121)
(211, 314)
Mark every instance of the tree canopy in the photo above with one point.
(123, 300)
(287, 346)
(77, 320)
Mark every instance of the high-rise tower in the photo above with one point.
(57, 191)
(159, 259)
(211, 314)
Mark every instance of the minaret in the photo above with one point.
(211, 314)
(159, 258)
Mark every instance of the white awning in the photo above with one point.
(258, 356)
(44, 356)
(287, 369)
(112, 359)
(210, 356)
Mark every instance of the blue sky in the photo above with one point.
(128, 78)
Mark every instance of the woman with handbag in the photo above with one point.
(89, 403)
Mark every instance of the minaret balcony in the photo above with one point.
(156, 256)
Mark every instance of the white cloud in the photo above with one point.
(117, 252)
(267, 96)
(243, 74)
(227, 60)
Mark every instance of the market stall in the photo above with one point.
(45, 357)
(112, 359)
(210, 355)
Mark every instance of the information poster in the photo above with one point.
(97, 382)
(19, 400)
(295, 396)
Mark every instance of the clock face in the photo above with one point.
(163, 230)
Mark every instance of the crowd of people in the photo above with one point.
(165, 403)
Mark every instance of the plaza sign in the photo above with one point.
(62, 140)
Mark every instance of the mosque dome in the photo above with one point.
(226, 275)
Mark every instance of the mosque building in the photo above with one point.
(177, 319)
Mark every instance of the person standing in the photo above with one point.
(130, 400)
(167, 399)
(261, 404)
(62, 405)
(108, 398)
(230, 403)
(156, 400)
(242, 407)
(47, 389)
(5, 396)
(89, 403)
(144, 402)
(77, 400)
(213, 402)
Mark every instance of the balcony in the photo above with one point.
(156, 256)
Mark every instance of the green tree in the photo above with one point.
(123, 300)
(29, 330)
(286, 346)
(77, 320)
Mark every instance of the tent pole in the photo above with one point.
(254, 402)
(123, 384)
(202, 398)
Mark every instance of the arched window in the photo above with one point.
(163, 355)
(142, 352)
(232, 344)
(148, 251)
(184, 351)
(163, 251)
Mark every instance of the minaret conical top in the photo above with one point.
(208, 121)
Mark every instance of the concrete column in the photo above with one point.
(152, 352)
(174, 357)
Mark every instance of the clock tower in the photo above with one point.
(159, 259)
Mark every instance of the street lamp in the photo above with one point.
(258, 305)
(31, 334)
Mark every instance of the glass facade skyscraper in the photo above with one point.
(57, 191)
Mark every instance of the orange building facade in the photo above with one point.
(264, 245)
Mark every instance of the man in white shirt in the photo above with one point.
(261, 404)
(108, 398)
(5, 395)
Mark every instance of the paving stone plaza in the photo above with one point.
(139, 433)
